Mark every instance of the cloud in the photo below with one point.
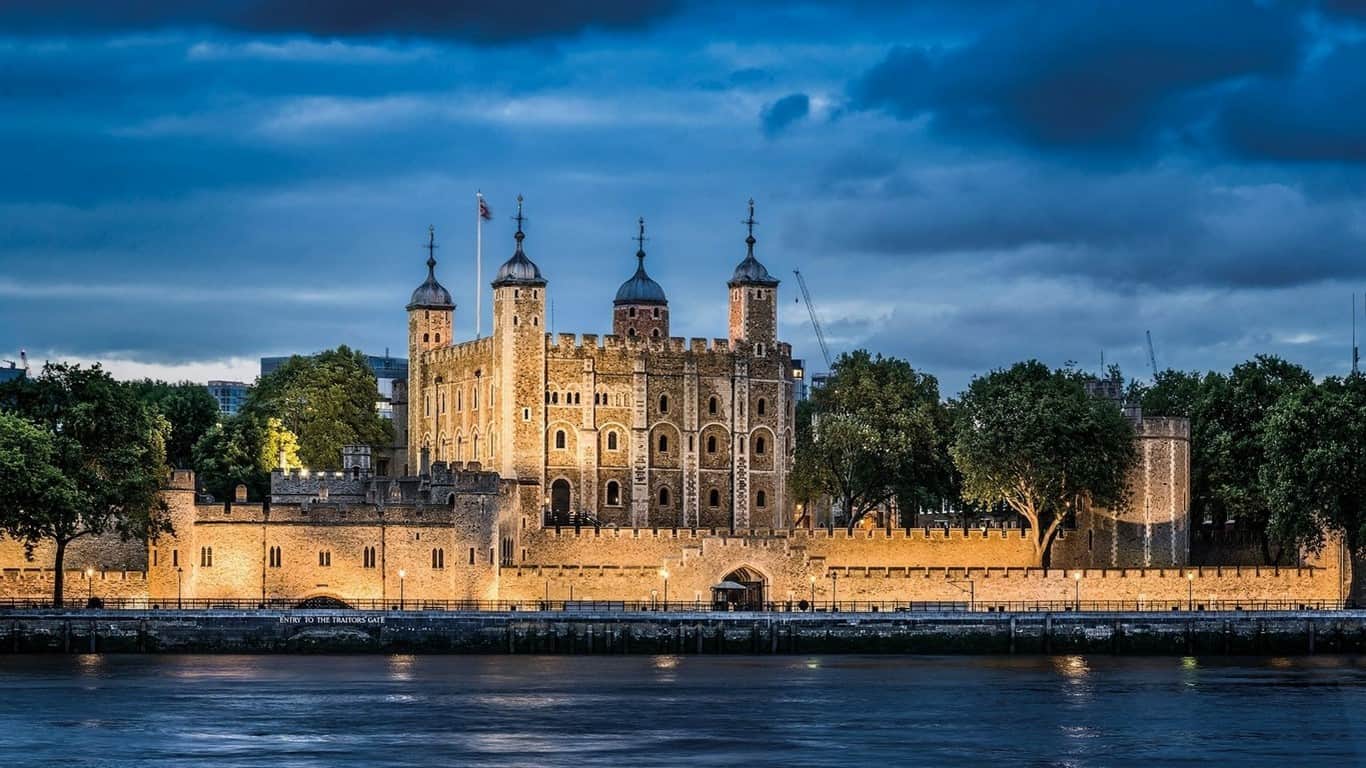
(467, 20)
(783, 113)
(1097, 76)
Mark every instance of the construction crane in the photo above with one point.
(1152, 356)
(815, 321)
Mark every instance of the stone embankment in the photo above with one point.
(304, 631)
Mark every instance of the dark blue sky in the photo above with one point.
(965, 184)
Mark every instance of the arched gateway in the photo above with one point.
(743, 589)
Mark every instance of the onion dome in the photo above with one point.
(518, 270)
(750, 271)
(640, 289)
(431, 294)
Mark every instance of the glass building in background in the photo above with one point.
(231, 396)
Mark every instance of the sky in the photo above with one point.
(187, 187)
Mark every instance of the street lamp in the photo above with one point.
(90, 586)
(813, 593)
(178, 572)
(834, 591)
(1190, 590)
(664, 574)
(402, 574)
(654, 599)
(1077, 594)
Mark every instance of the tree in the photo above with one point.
(1315, 470)
(189, 408)
(873, 433)
(242, 451)
(1034, 439)
(327, 400)
(106, 447)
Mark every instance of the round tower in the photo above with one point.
(753, 298)
(431, 316)
(640, 309)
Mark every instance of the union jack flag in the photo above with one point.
(484, 212)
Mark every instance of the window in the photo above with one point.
(611, 441)
(438, 338)
(426, 338)
(631, 332)
(206, 557)
(632, 312)
(761, 406)
(471, 555)
(576, 398)
(175, 557)
(711, 443)
(275, 557)
(656, 313)
(535, 320)
(475, 406)
(475, 456)
(741, 444)
(438, 558)
(460, 399)
(760, 499)
(663, 497)
(368, 557)
(713, 405)
(613, 493)
(526, 414)
(663, 403)
(663, 443)
(554, 398)
(155, 557)
(759, 445)
(654, 333)
(325, 558)
(516, 294)
(714, 498)
(559, 439)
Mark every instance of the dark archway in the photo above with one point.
(559, 499)
(324, 601)
(741, 590)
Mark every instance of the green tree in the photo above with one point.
(242, 451)
(1036, 440)
(188, 407)
(874, 433)
(109, 451)
(1315, 470)
(327, 400)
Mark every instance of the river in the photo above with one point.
(579, 711)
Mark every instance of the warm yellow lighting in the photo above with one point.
(664, 573)
(89, 572)
(1191, 575)
(1077, 575)
(402, 573)
(813, 579)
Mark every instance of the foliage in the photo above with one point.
(327, 401)
(1315, 470)
(242, 451)
(1034, 439)
(875, 432)
(108, 449)
(188, 407)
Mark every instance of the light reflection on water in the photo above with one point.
(674, 710)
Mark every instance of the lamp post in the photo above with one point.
(834, 591)
(813, 593)
(402, 574)
(90, 586)
(664, 574)
(1076, 577)
(654, 599)
(1190, 590)
(178, 572)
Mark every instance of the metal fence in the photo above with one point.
(659, 606)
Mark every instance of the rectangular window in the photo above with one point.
(175, 557)
(206, 557)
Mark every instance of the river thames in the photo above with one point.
(670, 711)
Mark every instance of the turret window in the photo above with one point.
(713, 405)
(559, 440)
(654, 333)
(759, 445)
(663, 443)
(760, 499)
(632, 312)
(714, 498)
(663, 497)
(711, 444)
(656, 312)
(663, 403)
(761, 406)
(613, 493)
(611, 441)
(426, 338)
(438, 338)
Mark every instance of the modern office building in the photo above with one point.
(231, 395)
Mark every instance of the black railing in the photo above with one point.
(673, 606)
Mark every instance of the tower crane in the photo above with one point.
(1152, 356)
(815, 321)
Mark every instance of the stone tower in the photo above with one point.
(753, 299)
(641, 309)
(519, 341)
(431, 317)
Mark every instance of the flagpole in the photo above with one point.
(478, 262)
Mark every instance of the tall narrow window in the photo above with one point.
(175, 557)
(559, 440)
(611, 441)
(325, 558)
(438, 558)
(711, 443)
(663, 497)
(759, 445)
(761, 406)
(714, 498)
(760, 499)
(613, 493)
(275, 558)
(663, 403)
(663, 443)
(713, 405)
(206, 557)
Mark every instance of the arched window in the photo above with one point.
(613, 493)
(475, 455)
(576, 398)
(663, 497)
(711, 443)
(760, 499)
(559, 439)
(663, 403)
(631, 332)
(554, 398)
(759, 445)
(325, 558)
(475, 404)
(612, 441)
(438, 338)
(654, 333)
(275, 557)
(761, 406)
(714, 498)
(663, 443)
(438, 558)
(631, 312)
(713, 405)
(656, 313)
(206, 557)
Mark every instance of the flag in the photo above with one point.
(484, 212)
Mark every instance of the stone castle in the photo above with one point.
(634, 466)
